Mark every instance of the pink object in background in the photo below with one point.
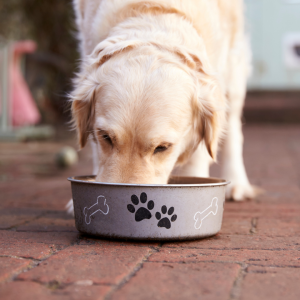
(23, 108)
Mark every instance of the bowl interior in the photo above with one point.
(173, 181)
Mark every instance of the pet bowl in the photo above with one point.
(186, 208)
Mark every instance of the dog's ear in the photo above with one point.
(209, 101)
(211, 115)
(83, 113)
(88, 83)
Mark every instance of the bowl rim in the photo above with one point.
(214, 182)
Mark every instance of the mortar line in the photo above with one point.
(12, 277)
(24, 222)
(253, 228)
(224, 262)
(226, 248)
(61, 285)
(34, 263)
(236, 287)
(195, 262)
(21, 257)
(133, 273)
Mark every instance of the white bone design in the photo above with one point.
(88, 212)
(200, 216)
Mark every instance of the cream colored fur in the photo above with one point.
(169, 74)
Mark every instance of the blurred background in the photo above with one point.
(49, 68)
(274, 87)
(38, 57)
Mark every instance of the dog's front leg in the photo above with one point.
(233, 167)
(197, 165)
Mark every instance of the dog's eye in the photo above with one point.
(102, 135)
(107, 138)
(160, 149)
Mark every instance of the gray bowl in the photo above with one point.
(186, 208)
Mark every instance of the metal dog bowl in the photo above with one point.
(186, 208)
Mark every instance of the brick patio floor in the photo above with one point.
(255, 256)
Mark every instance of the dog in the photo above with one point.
(161, 82)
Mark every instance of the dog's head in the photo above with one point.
(147, 108)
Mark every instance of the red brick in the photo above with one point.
(250, 241)
(48, 194)
(58, 221)
(99, 263)
(87, 240)
(271, 283)
(47, 198)
(11, 217)
(34, 190)
(254, 257)
(280, 193)
(261, 209)
(51, 199)
(31, 290)
(10, 266)
(34, 244)
(279, 226)
(236, 225)
(9, 221)
(180, 281)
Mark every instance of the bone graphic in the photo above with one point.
(100, 205)
(200, 216)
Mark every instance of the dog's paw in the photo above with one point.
(70, 207)
(242, 191)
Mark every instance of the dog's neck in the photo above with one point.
(168, 33)
(147, 21)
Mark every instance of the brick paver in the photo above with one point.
(180, 281)
(240, 242)
(34, 245)
(261, 257)
(101, 264)
(255, 256)
(12, 265)
(57, 221)
(271, 283)
(52, 291)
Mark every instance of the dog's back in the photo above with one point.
(219, 22)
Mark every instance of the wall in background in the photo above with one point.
(274, 27)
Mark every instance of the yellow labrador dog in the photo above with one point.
(161, 82)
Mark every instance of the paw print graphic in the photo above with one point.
(142, 212)
(165, 222)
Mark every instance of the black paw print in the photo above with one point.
(142, 213)
(165, 222)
